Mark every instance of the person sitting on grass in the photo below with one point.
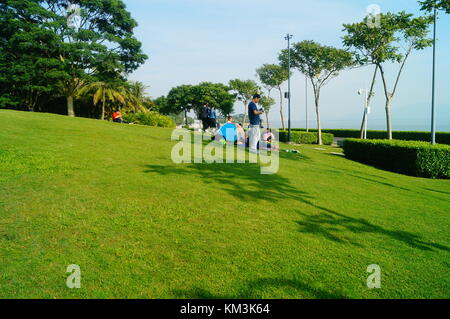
(268, 137)
(117, 117)
(232, 132)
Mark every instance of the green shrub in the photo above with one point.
(406, 157)
(441, 137)
(298, 137)
(150, 119)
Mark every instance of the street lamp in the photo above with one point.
(306, 101)
(366, 109)
(288, 39)
(433, 114)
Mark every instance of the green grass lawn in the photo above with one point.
(108, 198)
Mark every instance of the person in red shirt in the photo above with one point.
(117, 117)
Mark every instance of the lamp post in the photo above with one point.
(433, 114)
(306, 101)
(288, 38)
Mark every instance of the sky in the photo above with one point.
(192, 41)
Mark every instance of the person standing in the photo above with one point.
(255, 123)
(204, 116)
(212, 118)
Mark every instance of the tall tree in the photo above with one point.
(185, 98)
(217, 95)
(180, 99)
(273, 76)
(383, 44)
(244, 90)
(28, 67)
(88, 35)
(321, 64)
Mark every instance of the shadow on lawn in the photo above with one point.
(437, 191)
(255, 290)
(243, 181)
(330, 223)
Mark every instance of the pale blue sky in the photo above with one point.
(190, 41)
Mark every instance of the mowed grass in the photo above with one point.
(108, 198)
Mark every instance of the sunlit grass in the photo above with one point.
(108, 198)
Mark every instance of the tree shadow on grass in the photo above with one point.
(333, 226)
(380, 182)
(366, 178)
(244, 181)
(255, 290)
(437, 191)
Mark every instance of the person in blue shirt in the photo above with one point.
(212, 118)
(254, 132)
(232, 132)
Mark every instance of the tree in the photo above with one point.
(380, 45)
(180, 99)
(320, 64)
(267, 102)
(273, 76)
(136, 97)
(217, 95)
(244, 91)
(185, 98)
(28, 67)
(429, 5)
(160, 104)
(105, 92)
(87, 36)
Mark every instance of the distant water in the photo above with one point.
(372, 126)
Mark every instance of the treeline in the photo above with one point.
(64, 58)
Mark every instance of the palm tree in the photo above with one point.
(136, 96)
(105, 92)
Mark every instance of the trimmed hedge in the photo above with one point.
(441, 137)
(406, 157)
(305, 138)
(150, 119)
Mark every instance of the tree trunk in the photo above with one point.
(103, 107)
(319, 125)
(388, 118)
(267, 120)
(281, 109)
(245, 114)
(369, 98)
(389, 97)
(70, 109)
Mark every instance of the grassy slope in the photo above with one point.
(108, 198)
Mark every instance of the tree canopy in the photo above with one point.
(65, 44)
(398, 35)
(185, 98)
(320, 64)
